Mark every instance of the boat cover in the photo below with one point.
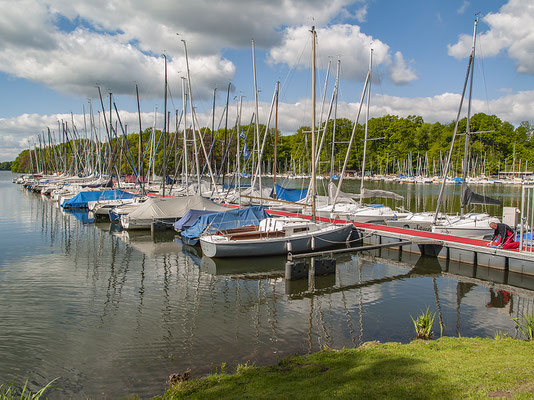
(210, 223)
(293, 195)
(82, 198)
(189, 219)
(172, 207)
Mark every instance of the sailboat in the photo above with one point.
(474, 225)
(284, 235)
(341, 205)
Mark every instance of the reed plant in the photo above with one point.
(525, 323)
(423, 325)
(11, 392)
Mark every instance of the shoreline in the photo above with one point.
(446, 368)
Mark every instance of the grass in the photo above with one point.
(526, 324)
(423, 325)
(447, 368)
(11, 392)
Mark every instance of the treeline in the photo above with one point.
(401, 146)
(5, 165)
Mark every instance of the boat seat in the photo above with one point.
(248, 228)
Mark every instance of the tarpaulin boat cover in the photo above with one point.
(82, 198)
(293, 195)
(189, 219)
(211, 223)
(172, 207)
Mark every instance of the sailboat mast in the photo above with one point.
(275, 138)
(190, 90)
(313, 127)
(225, 132)
(447, 165)
(257, 136)
(238, 154)
(139, 160)
(185, 170)
(335, 122)
(366, 124)
(164, 130)
(213, 126)
(467, 129)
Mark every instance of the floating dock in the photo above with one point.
(461, 249)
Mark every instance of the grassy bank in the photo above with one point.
(448, 368)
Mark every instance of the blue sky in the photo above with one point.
(53, 53)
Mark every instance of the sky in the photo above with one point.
(54, 54)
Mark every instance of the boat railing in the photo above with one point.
(526, 235)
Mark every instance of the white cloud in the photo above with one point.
(510, 30)
(118, 43)
(399, 72)
(463, 7)
(346, 41)
(361, 14)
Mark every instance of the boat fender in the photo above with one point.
(313, 242)
(289, 247)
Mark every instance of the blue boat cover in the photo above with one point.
(189, 219)
(82, 198)
(223, 220)
(293, 195)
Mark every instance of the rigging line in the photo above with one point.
(481, 68)
(169, 92)
(283, 87)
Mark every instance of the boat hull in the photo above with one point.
(314, 241)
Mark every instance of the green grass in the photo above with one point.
(10, 392)
(447, 368)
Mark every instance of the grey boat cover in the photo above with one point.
(172, 207)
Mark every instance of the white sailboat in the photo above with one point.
(280, 235)
(357, 211)
(475, 225)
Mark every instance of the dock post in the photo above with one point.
(324, 266)
(296, 269)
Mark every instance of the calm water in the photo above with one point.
(112, 313)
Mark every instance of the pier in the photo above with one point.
(454, 248)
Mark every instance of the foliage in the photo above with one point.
(423, 325)
(494, 146)
(6, 165)
(11, 392)
(447, 368)
(526, 324)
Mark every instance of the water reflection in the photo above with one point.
(111, 312)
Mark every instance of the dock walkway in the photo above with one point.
(466, 250)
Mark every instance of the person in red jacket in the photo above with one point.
(503, 237)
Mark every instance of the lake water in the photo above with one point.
(113, 313)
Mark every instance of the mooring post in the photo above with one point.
(296, 269)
